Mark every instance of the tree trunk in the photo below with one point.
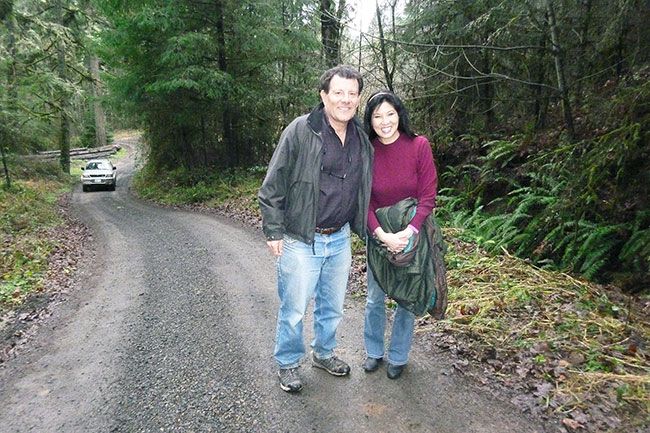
(283, 72)
(10, 23)
(4, 166)
(583, 59)
(204, 140)
(382, 49)
(331, 31)
(64, 137)
(486, 87)
(6, 129)
(559, 69)
(459, 108)
(620, 44)
(64, 121)
(540, 107)
(387, 55)
(100, 116)
(231, 146)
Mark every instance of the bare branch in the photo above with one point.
(476, 47)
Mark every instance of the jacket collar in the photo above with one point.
(315, 118)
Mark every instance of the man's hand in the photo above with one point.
(275, 247)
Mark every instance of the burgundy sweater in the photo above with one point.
(400, 170)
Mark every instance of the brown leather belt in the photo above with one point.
(327, 231)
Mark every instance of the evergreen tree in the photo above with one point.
(212, 82)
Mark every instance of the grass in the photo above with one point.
(586, 340)
(29, 217)
(29, 212)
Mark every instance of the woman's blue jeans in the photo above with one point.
(305, 272)
(375, 325)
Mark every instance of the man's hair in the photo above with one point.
(375, 101)
(343, 71)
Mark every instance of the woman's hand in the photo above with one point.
(405, 234)
(394, 242)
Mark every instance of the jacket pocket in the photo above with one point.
(300, 207)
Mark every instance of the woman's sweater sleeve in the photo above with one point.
(373, 222)
(427, 182)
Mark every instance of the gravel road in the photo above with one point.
(170, 327)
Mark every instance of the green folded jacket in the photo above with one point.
(416, 277)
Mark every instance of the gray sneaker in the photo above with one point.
(332, 365)
(290, 380)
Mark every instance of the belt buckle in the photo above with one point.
(327, 231)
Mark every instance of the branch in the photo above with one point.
(81, 73)
(39, 60)
(490, 75)
(47, 102)
(504, 77)
(476, 47)
(34, 113)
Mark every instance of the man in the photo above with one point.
(317, 188)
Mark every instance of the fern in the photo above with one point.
(533, 233)
(637, 245)
(596, 249)
(576, 239)
(556, 235)
(567, 205)
(501, 152)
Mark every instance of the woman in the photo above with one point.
(403, 167)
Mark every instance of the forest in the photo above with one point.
(537, 111)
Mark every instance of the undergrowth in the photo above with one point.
(209, 187)
(27, 210)
(576, 206)
(29, 217)
(588, 342)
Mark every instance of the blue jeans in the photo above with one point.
(306, 272)
(375, 325)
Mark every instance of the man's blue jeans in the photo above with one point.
(304, 272)
(375, 325)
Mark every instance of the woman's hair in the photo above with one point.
(375, 101)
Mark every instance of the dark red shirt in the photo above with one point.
(403, 169)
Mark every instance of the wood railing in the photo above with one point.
(80, 152)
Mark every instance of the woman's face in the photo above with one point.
(385, 121)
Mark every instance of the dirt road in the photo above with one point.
(171, 328)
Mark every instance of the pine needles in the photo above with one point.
(583, 340)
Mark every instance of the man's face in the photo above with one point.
(342, 101)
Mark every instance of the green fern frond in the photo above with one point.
(638, 245)
(596, 259)
(501, 152)
(488, 227)
(556, 235)
(595, 247)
